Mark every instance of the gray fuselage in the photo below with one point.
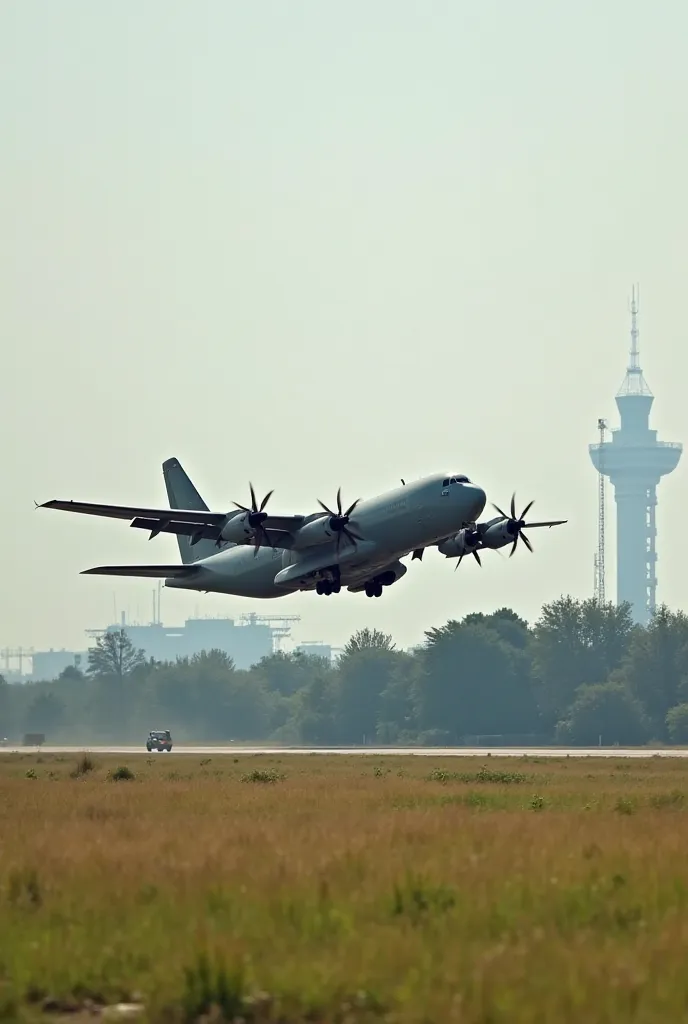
(392, 525)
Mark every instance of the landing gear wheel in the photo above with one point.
(378, 590)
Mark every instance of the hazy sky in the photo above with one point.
(313, 244)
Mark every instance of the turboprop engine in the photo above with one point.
(500, 534)
(240, 528)
(333, 524)
(248, 525)
(462, 543)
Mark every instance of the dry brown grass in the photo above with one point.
(409, 888)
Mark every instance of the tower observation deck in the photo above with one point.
(635, 461)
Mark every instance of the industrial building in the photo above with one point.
(634, 461)
(246, 641)
(315, 649)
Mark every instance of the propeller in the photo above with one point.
(470, 537)
(339, 520)
(516, 524)
(475, 555)
(255, 517)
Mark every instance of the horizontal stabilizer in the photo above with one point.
(155, 571)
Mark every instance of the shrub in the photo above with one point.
(122, 774)
(260, 775)
(494, 775)
(84, 765)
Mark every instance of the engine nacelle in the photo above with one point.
(462, 543)
(319, 531)
(237, 530)
(499, 535)
(391, 575)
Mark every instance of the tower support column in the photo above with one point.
(632, 547)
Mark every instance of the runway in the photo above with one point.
(237, 749)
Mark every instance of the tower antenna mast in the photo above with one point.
(601, 509)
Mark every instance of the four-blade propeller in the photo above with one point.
(339, 520)
(255, 517)
(516, 524)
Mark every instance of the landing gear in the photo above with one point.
(328, 587)
(373, 589)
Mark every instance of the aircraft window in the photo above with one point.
(460, 479)
(445, 483)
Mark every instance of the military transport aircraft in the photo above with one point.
(251, 553)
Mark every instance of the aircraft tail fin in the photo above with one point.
(181, 493)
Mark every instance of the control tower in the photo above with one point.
(635, 461)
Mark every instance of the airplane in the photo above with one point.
(251, 553)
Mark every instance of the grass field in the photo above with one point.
(345, 889)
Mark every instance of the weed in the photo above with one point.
(481, 801)
(262, 775)
(122, 774)
(537, 803)
(485, 774)
(30, 774)
(416, 898)
(668, 801)
(212, 990)
(84, 765)
(24, 889)
(624, 805)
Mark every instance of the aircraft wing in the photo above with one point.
(278, 538)
(88, 508)
(188, 522)
(152, 571)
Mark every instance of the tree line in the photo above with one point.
(582, 674)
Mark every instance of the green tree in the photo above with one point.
(607, 710)
(114, 655)
(362, 676)
(365, 639)
(677, 724)
(7, 717)
(576, 643)
(474, 683)
(656, 668)
(509, 626)
(397, 721)
(314, 715)
(284, 673)
(45, 714)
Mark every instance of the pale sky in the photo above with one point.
(312, 244)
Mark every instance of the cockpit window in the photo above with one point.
(445, 483)
(457, 480)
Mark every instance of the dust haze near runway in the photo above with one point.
(636, 752)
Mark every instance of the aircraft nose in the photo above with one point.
(478, 498)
